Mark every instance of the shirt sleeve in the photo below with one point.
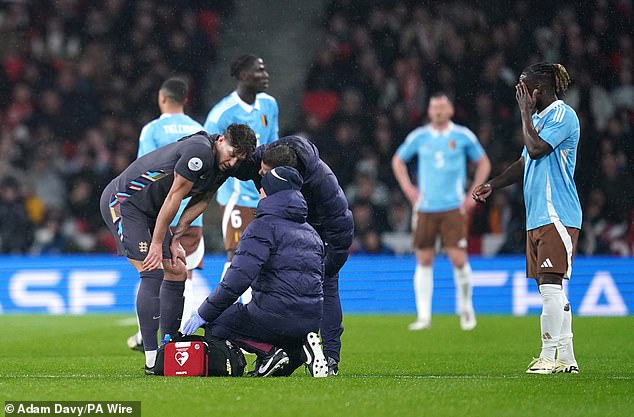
(409, 147)
(557, 128)
(146, 141)
(474, 148)
(194, 161)
(215, 123)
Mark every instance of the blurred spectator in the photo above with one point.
(15, 229)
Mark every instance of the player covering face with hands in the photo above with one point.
(550, 131)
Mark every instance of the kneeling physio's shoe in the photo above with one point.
(314, 356)
(271, 364)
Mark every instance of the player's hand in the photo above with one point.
(482, 192)
(177, 252)
(154, 257)
(411, 193)
(525, 99)
(194, 322)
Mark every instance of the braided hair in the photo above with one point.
(242, 63)
(554, 76)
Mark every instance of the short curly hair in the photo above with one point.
(242, 138)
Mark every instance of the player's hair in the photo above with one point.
(242, 138)
(279, 154)
(175, 89)
(441, 94)
(241, 63)
(554, 76)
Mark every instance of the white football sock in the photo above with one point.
(423, 289)
(551, 318)
(462, 280)
(150, 358)
(188, 306)
(246, 297)
(565, 352)
(224, 270)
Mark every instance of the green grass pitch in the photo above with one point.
(386, 371)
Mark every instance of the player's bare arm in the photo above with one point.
(196, 206)
(483, 169)
(511, 175)
(400, 172)
(527, 101)
(179, 190)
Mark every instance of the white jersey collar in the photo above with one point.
(437, 132)
(549, 108)
(164, 115)
(246, 106)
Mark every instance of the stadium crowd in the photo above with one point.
(78, 80)
(74, 90)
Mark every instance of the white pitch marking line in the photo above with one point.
(127, 322)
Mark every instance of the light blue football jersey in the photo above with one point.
(550, 193)
(165, 130)
(442, 164)
(262, 117)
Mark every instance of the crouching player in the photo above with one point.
(282, 258)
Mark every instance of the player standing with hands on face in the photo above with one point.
(443, 149)
(550, 130)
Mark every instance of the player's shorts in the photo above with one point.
(194, 245)
(131, 228)
(550, 249)
(234, 221)
(451, 225)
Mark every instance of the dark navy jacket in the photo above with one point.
(281, 257)
(328, 210)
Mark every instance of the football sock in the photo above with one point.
(150, 358)
(565, 350)
(423, 288)
(172, 301)
(551, 318)
(224, 270)
(148, 308)
(188, 306)
(462, 280)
